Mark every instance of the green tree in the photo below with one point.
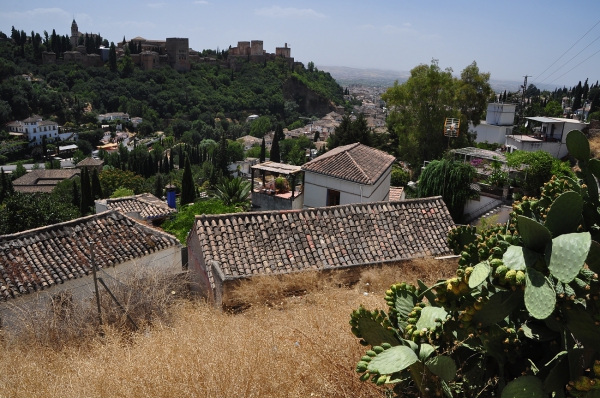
(539, 168)
(19, 170)
(96, 186)
(275, 156)
(451, 180)
(23, 211)
(113, 178)
(158, 186)
(263, 151)
(421, 104)
(234, 192)
(78, 156)
(86, 193)
(221, 157)
(553, 108)
(350, 132)
(399, 177)
(260, 126)
(188, 188)
(112, 57)
(122, 192)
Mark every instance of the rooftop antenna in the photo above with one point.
(451, 128)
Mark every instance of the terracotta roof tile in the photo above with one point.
(90, 161)
(246, 244)
(355, 162)
(396, 194)
(43, 180)
(146, 204)
(40, 258)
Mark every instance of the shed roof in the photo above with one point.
(280, 168)
(43, 180)
(246, 244)
(355, 162)
(40, 258)
(146, 204)
(90, 161)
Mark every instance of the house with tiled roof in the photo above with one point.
(35, 129)
(352, 173)
(146, 207)
(43, 180)
(91, 163)
(224, 249)
(38, 264)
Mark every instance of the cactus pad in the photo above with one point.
(582, 325)
(479, 275)
(593, 258)
(535, 235)
(498, 307)
(519, 258)
(524, 387)
(443, 367)
(564, 215)
(540, 297)
(428, 317)
(578, 145)
(392, 360)
(568, 254)
(371, 330)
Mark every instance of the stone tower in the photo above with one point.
(74, 34)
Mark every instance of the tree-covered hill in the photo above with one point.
(66, 91)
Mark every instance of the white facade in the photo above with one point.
(552, 137)
(36, 129)
(317, 187)
(113, 116)
(498, 123)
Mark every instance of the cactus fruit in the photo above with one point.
(583, 383)
(520, 278)
(511, 275)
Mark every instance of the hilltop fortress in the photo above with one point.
(173, 51)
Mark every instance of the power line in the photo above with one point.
(575, 66)
(541, 74)
(570, 59)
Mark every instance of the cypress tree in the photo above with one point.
(2, 185)
(166, 164)
(187, 184)
(263, 151)
(158, 186)
(96, 186)
(181, 158)
(76, 199)
(112, 57)
(275, 155)
(86, 192)
(171, 161)
(595, 105)
(221, 160)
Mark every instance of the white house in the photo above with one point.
(497, 125)
(36, 129)
(348, 174)
(113, 116)
(550, 137)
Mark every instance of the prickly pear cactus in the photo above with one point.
(521, 317)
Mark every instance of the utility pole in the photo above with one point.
(523, 99)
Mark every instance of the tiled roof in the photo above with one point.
(146, 204)
(90, 161)
(245, 244)
(355, 162)
(396, 194)
(41, 258)
(43, 180)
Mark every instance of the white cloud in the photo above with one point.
(289, 12)
(155, 5)
(56, 12)
(200, 2)
(407, 24)
(394, 30)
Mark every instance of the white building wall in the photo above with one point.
(556, 149)
(490, 133)
(316, 186)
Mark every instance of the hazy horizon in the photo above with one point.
(508, 40)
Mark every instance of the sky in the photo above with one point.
(508, 38)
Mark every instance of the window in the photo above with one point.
(333, 197)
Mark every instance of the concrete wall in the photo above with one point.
(199, 281)
(477, 207)
(500, 114)
(13, 311)
(316, 186)
(271, 202)
(490, 133)
(556, 149)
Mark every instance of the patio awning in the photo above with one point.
(280, 168)
(542, 119)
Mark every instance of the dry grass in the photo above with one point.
(595, 145)
(282, 346)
